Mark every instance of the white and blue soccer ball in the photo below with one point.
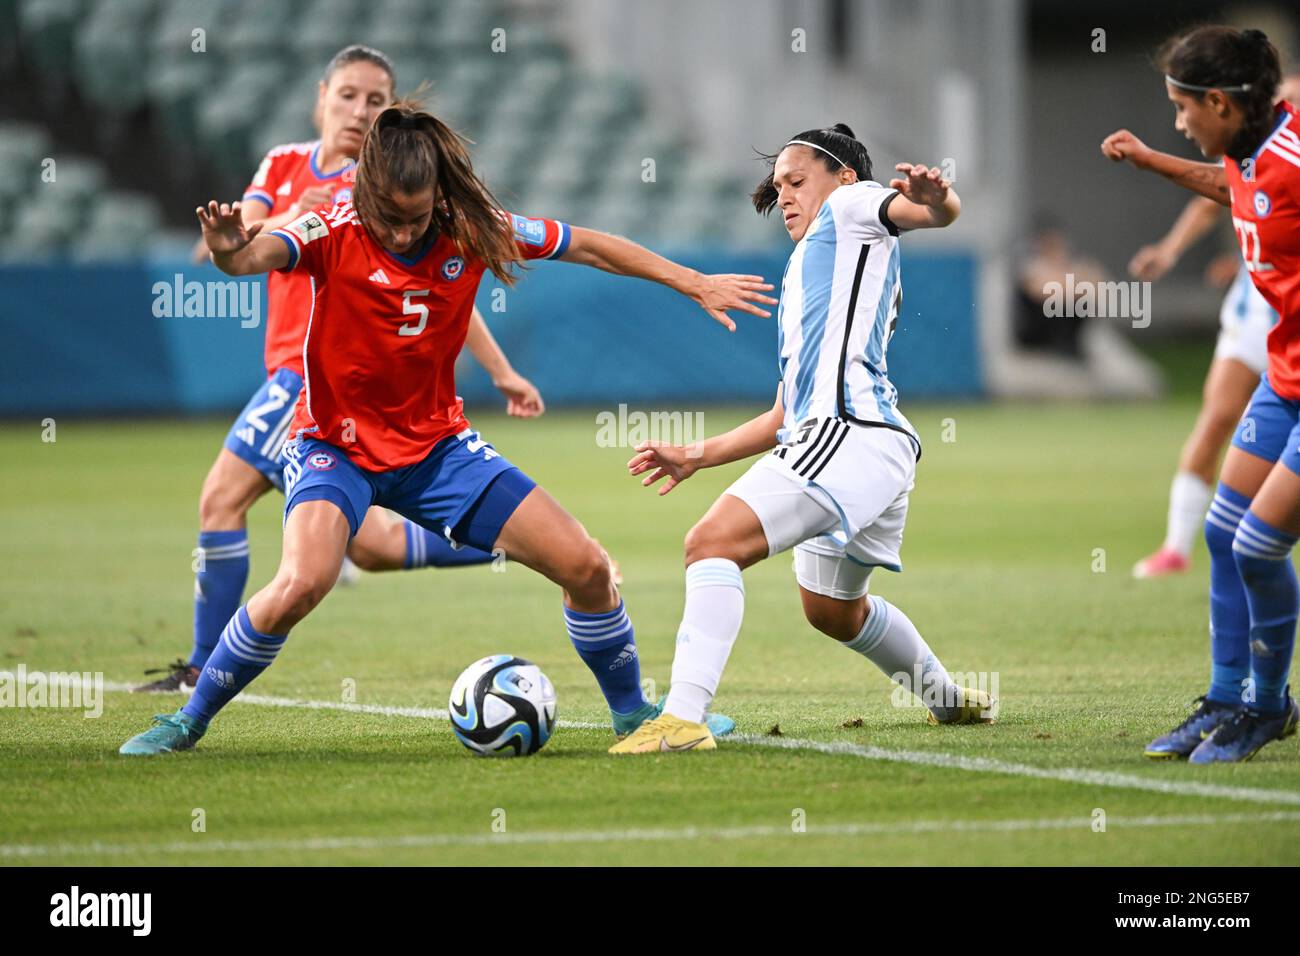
(503, 706)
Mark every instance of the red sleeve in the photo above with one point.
(311, 238)
(265, 181)
(540, 238)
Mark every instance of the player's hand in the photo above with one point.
(1121, 145)
(310, 199)
(674, 462)
(523, 400)
(1151, 262)
(223, 227)
(716, 294)
(923, 185)
(1222, 270)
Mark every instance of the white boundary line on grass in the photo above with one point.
(1075, 775)
(431, 840)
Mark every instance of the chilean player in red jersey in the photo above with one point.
(378, 421)
(292, 179)
(1222, 82)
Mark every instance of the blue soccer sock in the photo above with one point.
(1229, 612)
(424, 549)
(218, 587)
(1263, 554)
(607, 645)
(242, 654)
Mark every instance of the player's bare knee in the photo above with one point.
(297, 594)
(841, 620)
(704, 541)
(367, 559)
(1220, 422)
(588, 575)
(219, 508)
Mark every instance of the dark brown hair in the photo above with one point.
(408, 150)
(838, 141)
(356, 53)
(1221, 57)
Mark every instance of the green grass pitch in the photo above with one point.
(1018, 548)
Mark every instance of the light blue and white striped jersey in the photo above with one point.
(840, 298)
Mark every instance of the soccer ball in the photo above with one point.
(503, 706)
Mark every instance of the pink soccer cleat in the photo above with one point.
(1161, 564)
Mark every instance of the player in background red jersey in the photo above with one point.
(380, 358)
(1221, 82)
(357, 84)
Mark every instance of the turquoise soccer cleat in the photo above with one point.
(169, 733)
(719, 724)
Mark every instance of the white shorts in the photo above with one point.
(839, 498)
(1244, 322)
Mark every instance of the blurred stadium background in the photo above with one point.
(114, 126)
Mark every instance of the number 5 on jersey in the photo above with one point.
(414, 308)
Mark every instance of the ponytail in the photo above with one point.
(408, 150)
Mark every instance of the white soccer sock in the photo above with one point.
(891, 641)
(715, 606)
(1189, 498)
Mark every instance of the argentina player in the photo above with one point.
(836, 487)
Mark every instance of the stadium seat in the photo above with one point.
(122, 225)
(47, 28)
(227, 118)
(316, 40)
(108, 52)
(260, 30)
(77, 180)
(174, 34)
(41, 228)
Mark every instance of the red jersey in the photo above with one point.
(286, 172)
(383, 334)
(1265, 191)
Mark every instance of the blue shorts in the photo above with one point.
(1269, 429)
(463, 489)
(258, 434)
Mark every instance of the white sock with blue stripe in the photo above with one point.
(891, 641)
(1189, 498)
(715, 606)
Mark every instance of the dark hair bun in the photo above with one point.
(1255, 38)
(843, 129)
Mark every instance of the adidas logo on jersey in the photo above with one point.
(247, 435)
(379, 276)
(285, 188)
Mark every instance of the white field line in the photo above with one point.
(421, 713)
(201, 844)
(1074, 775)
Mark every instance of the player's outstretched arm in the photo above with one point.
(715, 294)
(1207, 179)
(679, 462)
(925, 201)
(523, 400)
(235, 248)
(1197, 218)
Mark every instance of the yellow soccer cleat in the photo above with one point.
(976, 707)
(665, 734)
